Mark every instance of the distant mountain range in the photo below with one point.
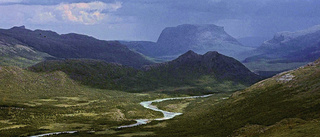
(207, 72)
(300, 46)
(253, 41)
(174, 41)
(286, 51)
(70, 46)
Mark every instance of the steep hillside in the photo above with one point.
(284, 105)
(190, 72)
(16, 53)
(75, 46)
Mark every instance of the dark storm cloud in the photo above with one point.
(259, 17)
(49, 2)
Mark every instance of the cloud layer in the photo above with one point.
(87, 13)
(145, 19)
(83, 13)
(10, 1)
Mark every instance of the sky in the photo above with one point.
(145, 19)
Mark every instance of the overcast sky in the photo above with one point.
(145, 19)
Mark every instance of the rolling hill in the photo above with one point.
(211, 72)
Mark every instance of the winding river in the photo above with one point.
(166, 114)
(146, 104)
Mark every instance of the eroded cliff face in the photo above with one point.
(199, 38)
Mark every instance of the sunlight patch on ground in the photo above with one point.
(6, 122)
(12, 127)
(65, 126)
(81, 114)
(137, 134)
(159, 125)
(108, 131)
(76, 104)
(69, 98)
(140, 94)
(116, 115)
(47, 100)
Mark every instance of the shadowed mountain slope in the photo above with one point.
(75, 46)
(15, 53)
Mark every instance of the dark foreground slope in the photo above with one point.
(287, 104)
(211, 72)
(75, 46)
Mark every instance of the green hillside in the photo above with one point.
(189, 74)
(285, 105)
(33, 103)
(95, 73)
(15, 53)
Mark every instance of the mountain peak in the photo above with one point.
(213, 63)
(19, 27)
(212, 53)
(190, 52)
(188, 55)
(200, 26)
(200, 38)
